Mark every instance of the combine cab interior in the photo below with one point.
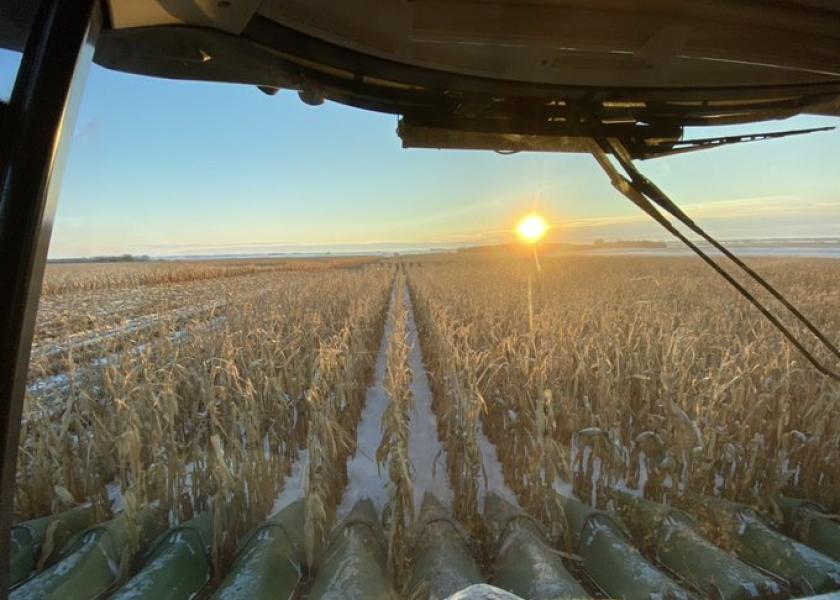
(620, 81)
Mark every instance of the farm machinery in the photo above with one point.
(620, 81)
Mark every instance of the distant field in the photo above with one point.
(84, 302)
(64, 277)
(252, 383)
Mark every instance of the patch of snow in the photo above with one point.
(561, 486)
(639, 491)
(60, 382)
(364, 477)
(45, 384)
(294, 487)
(83, 339)
(426, 453)
(115, 495)
(596, 476)
(643, 472)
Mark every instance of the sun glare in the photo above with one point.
(531, 228)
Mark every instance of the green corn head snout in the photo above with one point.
(741, 530)
(443, 562)
(811, 524)
(523, 561)
(96, 562)
(270, 563)
(354, 564)
(177, 567)
(670, 536)
(41, 540)
(609, 559)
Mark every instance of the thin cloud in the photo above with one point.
(729, 209)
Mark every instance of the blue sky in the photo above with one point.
(168, 167)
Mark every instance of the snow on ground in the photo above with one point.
(428, 458)
(561, 486)
(638, 491)
(115, 495)
(53, 386)
(364, 478)
(294, 487)
(426, 453)
(495, 480)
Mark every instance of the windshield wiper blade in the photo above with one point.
(684, 146)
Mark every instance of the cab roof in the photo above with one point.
(561, 69)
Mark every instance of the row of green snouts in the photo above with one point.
(646, 551)
(38, 543)
(353, 563)
(522, 562)
(649, 550)
(67, 557)
(669, 555)
(270, 562)
(712, 547)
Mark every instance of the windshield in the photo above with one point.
(272, 342)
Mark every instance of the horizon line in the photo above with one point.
(377, 248)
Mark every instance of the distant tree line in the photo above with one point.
(571, 247)
(103, 259)
(630, 244)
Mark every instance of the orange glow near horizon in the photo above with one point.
(531, 228)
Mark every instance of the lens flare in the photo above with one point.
(531, 228)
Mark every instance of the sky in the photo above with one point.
(168, 168)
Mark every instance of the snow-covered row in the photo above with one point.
(427, 454)
(364, 477)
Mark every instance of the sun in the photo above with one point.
(531, 228)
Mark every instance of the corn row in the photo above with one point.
(342, 373)
(393, 451)
(454, 368)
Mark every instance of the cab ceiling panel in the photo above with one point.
(594, 43)
(226, 15)
(641, 71)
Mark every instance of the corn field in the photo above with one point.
(640, 374)
(239, 389)
(207, 409)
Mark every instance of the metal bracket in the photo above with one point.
(38, 125)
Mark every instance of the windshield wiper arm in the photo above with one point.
(647, 196)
